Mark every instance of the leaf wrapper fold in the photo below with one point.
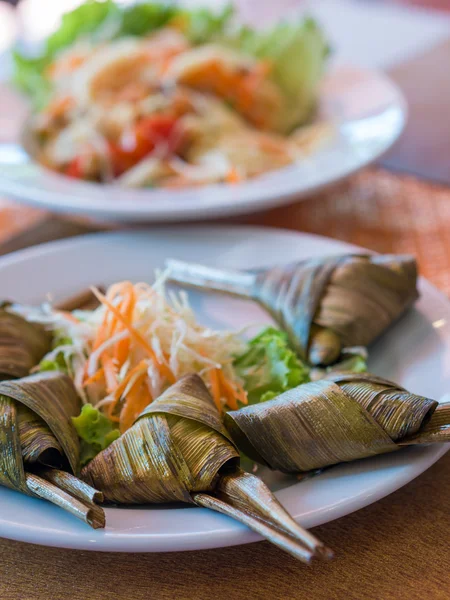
(323, 304)
(178, 445)
(179, 450)
(22, 345)
(346, 417)
(37, 438)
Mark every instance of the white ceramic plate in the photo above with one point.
(415, 352)
(367, 108)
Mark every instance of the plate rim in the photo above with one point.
(226, 532)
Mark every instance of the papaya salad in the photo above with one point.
(153, 95)
(140, 340)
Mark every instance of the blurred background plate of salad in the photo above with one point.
(160, 95)
(159, 100)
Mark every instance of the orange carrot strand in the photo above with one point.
(138, 398)
(110, 373)
(162, 368)
(230, 392)
(95, 377)
(142, 366)
(215, 388)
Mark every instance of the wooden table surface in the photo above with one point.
(394, 549)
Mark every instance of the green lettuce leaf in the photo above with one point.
(95, 431)
(28, 77)
(61, 339)
(141, 19)
(101, 21)
(297, 52)
(59, 362)
(83, 21)
(269, 367)
(199, 25)
(355, 363)
(203, 26)
(351, 361)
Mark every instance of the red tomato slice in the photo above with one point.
(74, 168)
(157, 128)
(148, 133)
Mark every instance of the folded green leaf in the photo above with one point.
(178, 450)
(324, 304)
(53, 398)
(342, 418)
(22, 345)
(36, 433)
(39, 445)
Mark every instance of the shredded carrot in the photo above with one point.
(124, 288)
(122, 347)
(241, 393)
(121, 351)
(110, 373)
(271, 143)
(59, 106)
(76, 61)
(138, 398)
(118, 288)
(95, 377)
(233, 176)
(165, 64)
(111, 415)
(127, 398)
(229, 390)
(61, 67)
(215, 388)
(101, 332)
(162, 368)
(142, 366)
(265, 67)
(247, 85)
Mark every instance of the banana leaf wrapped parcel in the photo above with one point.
(343, 418)
(178, 450)
(39, 448)
(324, 304)
(22, 344)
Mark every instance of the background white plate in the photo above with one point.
(415, 352)
(367, 108)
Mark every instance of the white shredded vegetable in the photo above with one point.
(163, 341)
